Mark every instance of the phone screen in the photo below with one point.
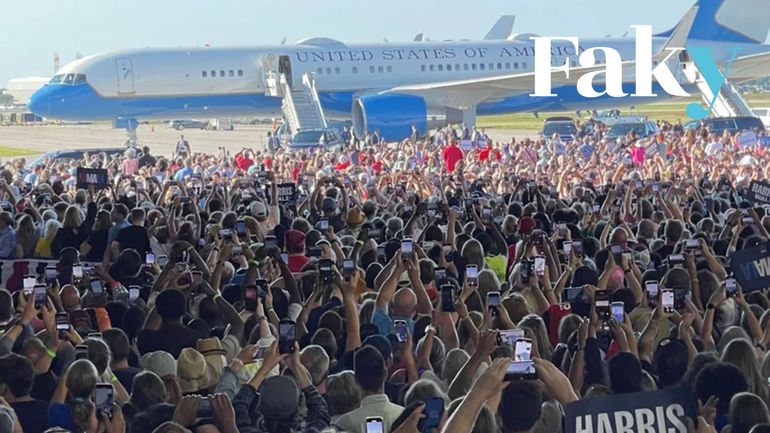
(602, 299)
(325, 271)
(96, 286)
(150, 259)
(81, 351)
(667, 299)
(77, 271)
(406, 248)
(446, 249)
(540, 265)
(250, 294)
(62, 322)
(348, 267)
(286, 335)
(447, 298)
(40, 295)
(508, 337)
(51, 273)
(493, 299)
(472, 274)
(374, 425)
(133, 293)
(270, 242)
(104, 397)
(618, 311)
(522, 350)
(29, 282)
(197, 277)
(651, 287)
(401, 331)
(240, 227)
(434, 411)
(323, 224)
(731, 287)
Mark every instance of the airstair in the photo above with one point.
(301, 105)
(728, 103)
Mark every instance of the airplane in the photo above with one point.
(386, 87)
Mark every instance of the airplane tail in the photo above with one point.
(740, 21)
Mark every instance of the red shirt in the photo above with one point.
(342, 165)
(487, 153)
(377, 166)
(297, 262)
(295, 173)
(243, 162)
(452, 155)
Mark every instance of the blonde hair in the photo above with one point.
(73, 217)
(740, 353)
(746, 411)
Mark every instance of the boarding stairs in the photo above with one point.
(728, 103)
(301, 105)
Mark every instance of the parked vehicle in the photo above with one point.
(642, 129)
(733, 125)
(316, 138)
(564, 126)
(56, 156)
(180, 125)
(763, 114)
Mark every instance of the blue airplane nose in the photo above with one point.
(38, 102)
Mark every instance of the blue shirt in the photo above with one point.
(384, 322)
(182, 173)
(586, 150)
(7, 243)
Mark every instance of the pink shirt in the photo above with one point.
(130, 166)
(638, 154)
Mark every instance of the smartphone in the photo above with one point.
(204, 408)
(325, 271)
(616, 250)
(508, 337)
(433, 412)
(401, 330)
(323, 225)
(262, 287)
(285, 257)
(602, 303)
(62, 324)
(520, 370)
(540, 265)
(81, 351)
(77, 271)
(447, 250)
(618, 310)
(692, 244)
(133, 293)
(597, 208)
(525, 271)
(51, 273)
(655, 187)
(181, 266)
(29, 284)
(747, 220)
(348, 268)
(374, 234)
(667, 299)
(675, 260)
(149, 259)
(731, 287)
(406, 249)
(567, 246)
(562, 227)
(197, 277)
(314, 252)
(287, 331)
(250, 294)
(486, 214)
(577, 248)
(651, 287)
(271, 243)
(41, 297)
(447, 298)
(104, 398)
(240, 228)
(374, 425)
(575, 295)
(96, 287)
(522, 350)
(472, 275)
(225, 233)
(493, 299)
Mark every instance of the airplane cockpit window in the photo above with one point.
(56, 79)
(79, 79)
(68, 79)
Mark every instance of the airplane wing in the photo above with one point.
(751, 66)
(467, 93)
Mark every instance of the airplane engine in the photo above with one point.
(394, 114)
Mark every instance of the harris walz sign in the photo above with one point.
(758, 193)
(96, 177)
(642, 412)
(751, 267)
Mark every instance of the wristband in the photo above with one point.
(217, 295)
(254, 262)
(51, 354)
(114, 378)
(270, 310)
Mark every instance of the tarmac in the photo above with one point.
(161, 139)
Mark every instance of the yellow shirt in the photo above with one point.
(43, 248)
(497, 264)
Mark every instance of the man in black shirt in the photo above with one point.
(16, 376)
(134, 236)
(164, 329)
(146, 160)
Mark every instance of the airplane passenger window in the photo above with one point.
(491, 66)
(221, 73)
(515, 66)
(204, 74)
(355, 69)
(448, 68)
(240, 72)
(499, 66)
(524, 65)
(457, 66)
(465, 67)
(507, 65)
(422, 68)
(440, 67)
(380, 69)
(320, 71)
(231, 73)
(328, 71)
(336, 70)
(431, 67)
(390, 68)
(371, 69)
(481, 66)
(473, 66)
(213, 74)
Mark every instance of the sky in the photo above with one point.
(31, 32)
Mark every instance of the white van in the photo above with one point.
(763, 114)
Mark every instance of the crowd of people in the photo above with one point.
(450, 284)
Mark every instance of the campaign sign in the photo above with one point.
(758, 192)
(96, 177)
(466, 145)
(641, 412)
(751, 267)
(747, 139)
(287, 193)
(764, 141)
